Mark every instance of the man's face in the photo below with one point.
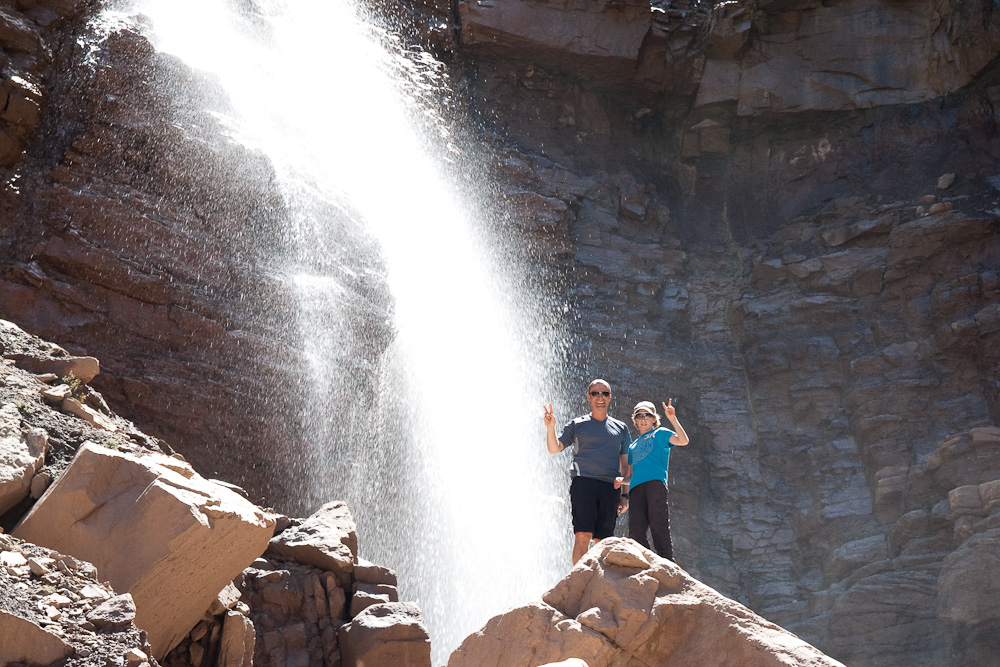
(602, 398)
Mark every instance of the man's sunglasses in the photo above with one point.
(605, 394)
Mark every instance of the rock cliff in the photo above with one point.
(783, 213)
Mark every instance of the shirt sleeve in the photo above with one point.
(666, 435)
(565, 436)
(626, 440)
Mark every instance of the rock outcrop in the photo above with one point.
(169, 542)
(155, 529)
(624, 605)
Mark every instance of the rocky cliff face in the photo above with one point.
(782, 213)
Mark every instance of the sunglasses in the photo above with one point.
(605, 394)
(642, 415)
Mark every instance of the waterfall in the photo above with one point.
(445, 468)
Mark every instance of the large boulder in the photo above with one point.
(21, 455)
(385, 635)
(624, 605)
(154, 529)
(27, 642)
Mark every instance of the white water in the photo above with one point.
(447, 474)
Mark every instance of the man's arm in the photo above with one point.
(626, 472)
(552, 443)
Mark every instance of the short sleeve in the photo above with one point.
(565, 436)
(626, 440)
(667, 434)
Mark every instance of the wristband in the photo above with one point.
(625, 496)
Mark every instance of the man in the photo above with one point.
(600, 454)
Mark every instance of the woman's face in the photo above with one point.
(644, 422)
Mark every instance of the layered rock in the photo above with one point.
(623, 605)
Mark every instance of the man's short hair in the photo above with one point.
(599, 381)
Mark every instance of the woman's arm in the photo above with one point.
(680, 437)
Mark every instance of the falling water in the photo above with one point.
(445, 470)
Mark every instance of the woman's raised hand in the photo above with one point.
(668, 408)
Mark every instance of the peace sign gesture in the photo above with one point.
(549, 417)
(668, 408)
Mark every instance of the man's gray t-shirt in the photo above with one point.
(596, 445)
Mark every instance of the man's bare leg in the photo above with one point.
(581, 544)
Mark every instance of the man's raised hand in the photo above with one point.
(549, 417)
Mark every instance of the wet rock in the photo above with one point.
(795, 43)
(597, 40)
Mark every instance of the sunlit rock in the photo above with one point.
(384, 635)
(624, 605)
(328, 539)
(26, 642)
(21, 455)
(154, 529)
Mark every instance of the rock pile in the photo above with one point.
(169, 544)
(623, 605)
(52, 608)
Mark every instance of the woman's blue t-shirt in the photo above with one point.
(649, 456)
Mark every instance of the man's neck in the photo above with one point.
(599, 414)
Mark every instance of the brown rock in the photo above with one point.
(898, 58)
(88, 414)
(601, 39)
(20, 458)
(83, 369)
(26, 642)
(384, 635)
(622, 604)
(172, 540)
(116, 613)
(237, 641)
(328, 539)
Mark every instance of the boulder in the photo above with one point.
(384, 635)
(328, 540)
(154, 529)
(622, 605)
(21, 455)
(83, 369)
(27, 642)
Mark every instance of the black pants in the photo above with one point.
(648, 510)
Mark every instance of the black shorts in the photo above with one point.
(595, 506)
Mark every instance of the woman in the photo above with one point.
(648, 457)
